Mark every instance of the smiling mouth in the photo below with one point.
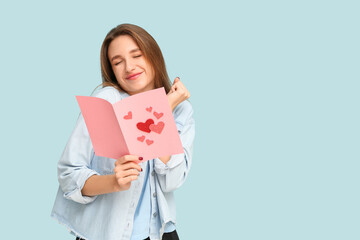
(133, 77)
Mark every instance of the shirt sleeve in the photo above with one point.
(74, 166)
(173, 174)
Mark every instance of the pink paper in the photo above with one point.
(142, 125)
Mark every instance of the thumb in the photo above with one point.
(176, 80)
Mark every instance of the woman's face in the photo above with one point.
(132, 71)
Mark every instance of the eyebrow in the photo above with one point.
(118, 56)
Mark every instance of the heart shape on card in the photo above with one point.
(128, 116)
(157, 128)
(145, 126)
(158, 115)
(149, 142)
(149, 109)
(141, 139)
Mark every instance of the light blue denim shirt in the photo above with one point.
(146, 219)
(111, 216)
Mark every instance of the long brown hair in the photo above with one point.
(147, 45)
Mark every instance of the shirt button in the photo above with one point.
(128, 225)
(155, 214)
(154, 194)
(133, 204)
(153, 173)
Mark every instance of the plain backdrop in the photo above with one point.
(275, 88)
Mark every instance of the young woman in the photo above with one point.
(119, 199)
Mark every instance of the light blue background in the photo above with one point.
(275, 88)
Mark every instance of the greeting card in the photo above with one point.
(141, 124)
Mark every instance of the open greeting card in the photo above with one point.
(141, 124)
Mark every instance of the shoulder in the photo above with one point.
(183, 112)
(109, 93)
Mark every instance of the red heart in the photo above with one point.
(145, 126)
(149, 109)
(149, 142)
(141, 139)
(158, 115)
(128, 116)
(157, 128)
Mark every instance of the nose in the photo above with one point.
(129, 66)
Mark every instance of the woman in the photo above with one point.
(106, 199)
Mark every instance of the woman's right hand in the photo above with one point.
(126, 170)
(177, 93)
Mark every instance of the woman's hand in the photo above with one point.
(177, 93)
(126, 170)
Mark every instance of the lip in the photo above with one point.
(133, 76)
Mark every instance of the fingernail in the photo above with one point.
(140, 158)
(141, 170)
(178, 78)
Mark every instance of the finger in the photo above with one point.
(177, 79)
(170, 91)
(130, 172)
(127, 158)
(120, 164)
(125, 174)
(176, 85)
(121, 168)
(126, 180)
(131, 165)
(180, 88)
(183, 90)
(179, 84)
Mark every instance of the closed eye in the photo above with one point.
(121, 61)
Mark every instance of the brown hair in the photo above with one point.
(147, 45)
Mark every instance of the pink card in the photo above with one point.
(141, 124)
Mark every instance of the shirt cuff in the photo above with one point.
(169, 227)
(161, 168)
(76, 194)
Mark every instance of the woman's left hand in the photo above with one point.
(177, 93)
